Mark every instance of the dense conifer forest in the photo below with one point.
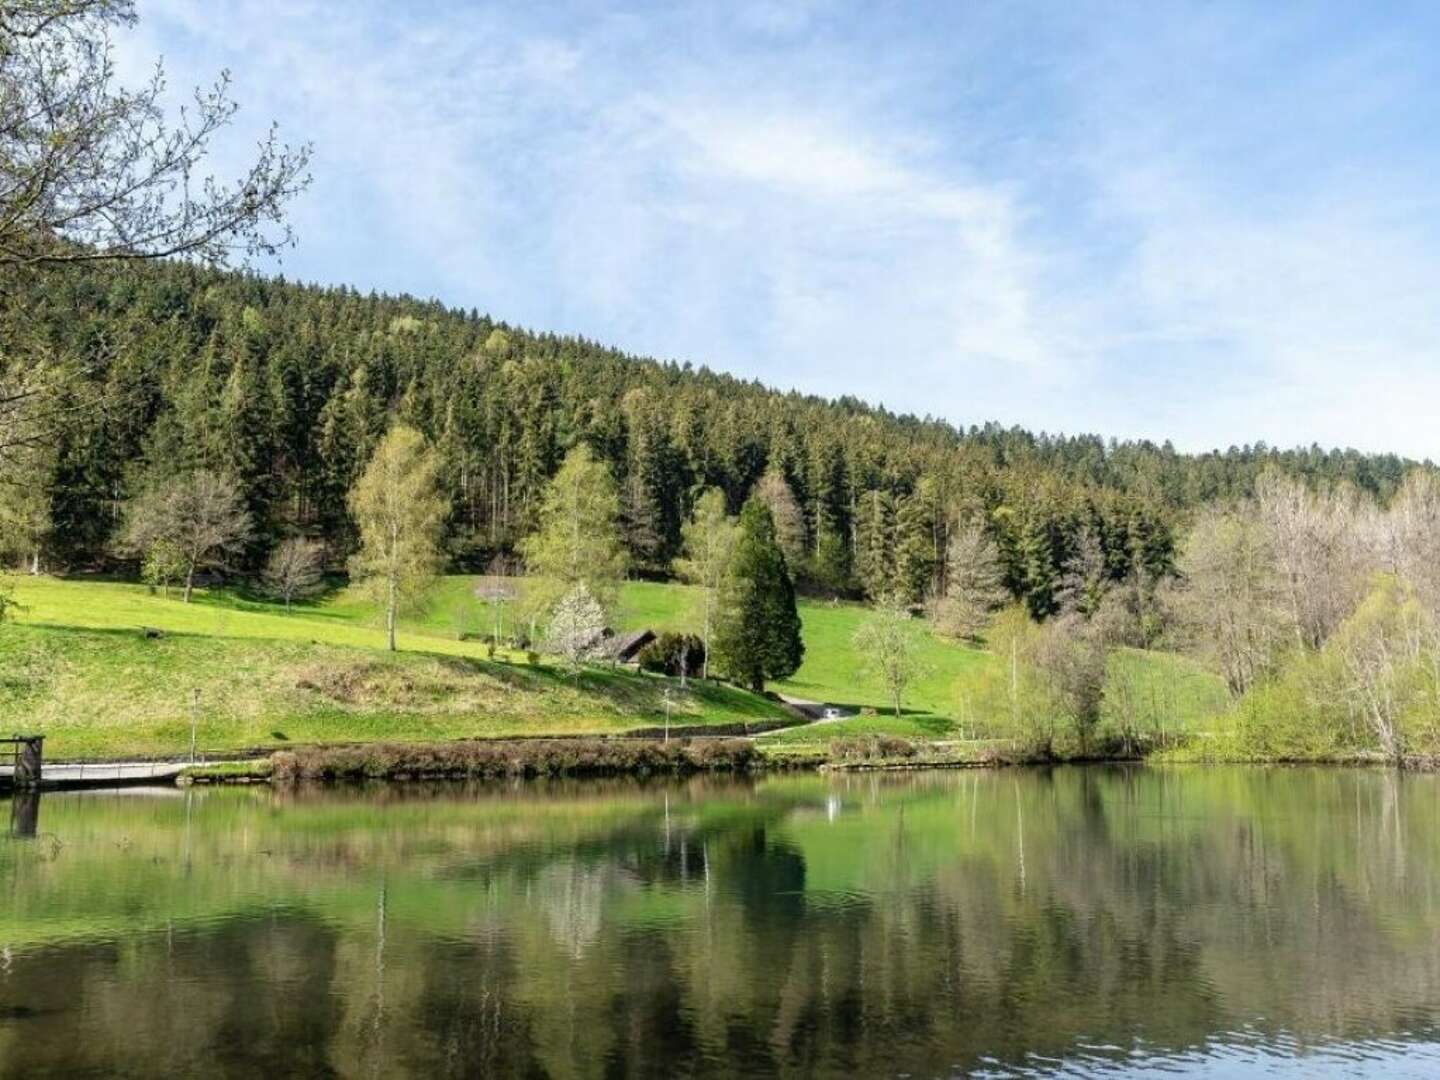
(288, 388)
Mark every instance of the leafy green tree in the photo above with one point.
(708, 544)
(163, 565)
(757, 629)
(577, 540)
(399, 512)
(888, 643)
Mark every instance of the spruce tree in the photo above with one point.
(757, 631)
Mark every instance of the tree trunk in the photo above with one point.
(757, 684)
(35, 563)
(390, 616)
(189, 582)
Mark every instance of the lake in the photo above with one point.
(1077, 921)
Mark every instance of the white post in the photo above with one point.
(194, 720)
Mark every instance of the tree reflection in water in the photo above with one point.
(851, 925)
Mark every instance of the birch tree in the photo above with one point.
(399, 512)
(577, 540)
(888, 644)
(708, 543)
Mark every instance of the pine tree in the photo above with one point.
(757, 631)
(875, 544)
(914, 547)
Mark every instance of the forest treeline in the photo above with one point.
(287, 389)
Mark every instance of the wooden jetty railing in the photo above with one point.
(29, 759)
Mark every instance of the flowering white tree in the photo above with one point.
(577, 626)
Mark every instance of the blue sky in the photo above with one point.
(1208, 222)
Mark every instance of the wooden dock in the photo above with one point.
(57, 774)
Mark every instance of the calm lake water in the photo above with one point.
(1080, 922)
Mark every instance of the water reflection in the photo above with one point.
(1081, 921)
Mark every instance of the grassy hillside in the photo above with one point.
(77, 665)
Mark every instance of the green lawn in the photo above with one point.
(77, 665)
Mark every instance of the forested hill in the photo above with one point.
(288, 388)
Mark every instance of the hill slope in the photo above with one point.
(78, 666)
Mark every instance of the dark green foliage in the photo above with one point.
(757, 631)
(289, 388)
(674, 654)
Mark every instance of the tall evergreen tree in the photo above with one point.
(875, 544)
(757, 631)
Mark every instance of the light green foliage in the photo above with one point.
(708, 543)
(399, 511)
(577, 540)
(888, 645)
(164, 565)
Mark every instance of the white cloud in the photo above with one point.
(757, 190)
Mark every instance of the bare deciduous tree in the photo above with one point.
(1410, 537)
(975, 583)
(774, 491)
(1230, 605)
(200, 513)
(1319, 542)
(295, 570)
(1084, 579)
(91, 170)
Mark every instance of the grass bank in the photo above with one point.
(80, 666)
(108, 669)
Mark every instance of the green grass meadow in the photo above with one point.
(77, 664)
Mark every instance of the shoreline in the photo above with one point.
(638, 755)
